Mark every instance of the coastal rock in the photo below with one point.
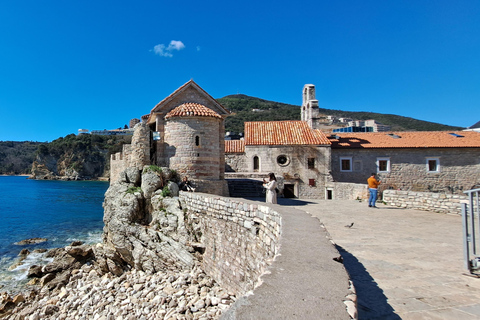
(151, 182)
(147, 231)
(133, 175)
(30, 241)
(173, 188)
(35, 271)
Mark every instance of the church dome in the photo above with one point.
(192, 110)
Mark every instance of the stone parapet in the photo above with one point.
(240, 239)
(428, 201)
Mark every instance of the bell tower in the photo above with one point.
(309, 105)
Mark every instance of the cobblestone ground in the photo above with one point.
(404, 263)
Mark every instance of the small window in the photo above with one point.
(311, 182)
(383, 164)
(311, 163)
(256, 164)
(283, 160)
(433, 165)
(197, 141)
(346, 164)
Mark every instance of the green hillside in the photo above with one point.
(241, 107)
(17, 157)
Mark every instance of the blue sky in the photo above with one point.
(66, 65)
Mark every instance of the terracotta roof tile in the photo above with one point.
(234, 146)
(191, 110)
(283, 133)
(417, 139)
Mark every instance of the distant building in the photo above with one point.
(363, 126)
(83, 131)
(133, 122)
(475, 127)
(114, 132)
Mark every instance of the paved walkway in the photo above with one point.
(405, 264)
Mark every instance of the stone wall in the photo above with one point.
(428, 201)
(240, 239)
(235, 162)
(459, 168)
(118, 162)
(193, 147)
(346, 191)
(136, 154)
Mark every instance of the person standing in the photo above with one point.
(373, 189)
(271, 187)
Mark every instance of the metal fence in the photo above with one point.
(471, 231)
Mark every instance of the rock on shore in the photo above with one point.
(133, 295)
(148, 266)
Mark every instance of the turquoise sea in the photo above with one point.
(61, 211)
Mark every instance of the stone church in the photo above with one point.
(185, 132)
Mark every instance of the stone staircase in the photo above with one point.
(245, 188)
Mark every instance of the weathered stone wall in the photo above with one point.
(235, 162)
(295, 170)
(428, 201)
(182, 153)
(136, 154)
(119, 162)
(347, 191)
(459, 168)
(240, 239)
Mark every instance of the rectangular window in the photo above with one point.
(346, 164)
(311, 182)
(311, 163)
(433, 165)
(383, 164)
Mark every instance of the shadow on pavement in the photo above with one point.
(292, 202)
(371, 302)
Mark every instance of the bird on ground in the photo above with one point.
(349, 225)
(338, 259)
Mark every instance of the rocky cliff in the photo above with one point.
(74, 157)
(144, 226)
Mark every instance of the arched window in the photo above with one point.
(197, 141)
(256, 163)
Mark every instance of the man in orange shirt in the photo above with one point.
(372, 187)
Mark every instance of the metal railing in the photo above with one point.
(471, 231)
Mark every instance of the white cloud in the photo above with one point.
(164, 51)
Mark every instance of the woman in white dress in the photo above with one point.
(271, 187)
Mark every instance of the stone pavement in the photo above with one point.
(405, 264)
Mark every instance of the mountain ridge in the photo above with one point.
(241, 106)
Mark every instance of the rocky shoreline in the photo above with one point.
(147, 267)
(88, 293)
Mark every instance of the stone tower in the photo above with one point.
(309, 106)
(189, 131)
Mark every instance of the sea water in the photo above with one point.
(60, 211)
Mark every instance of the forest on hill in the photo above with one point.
(76, 152)
(17, 157)
(241, 107)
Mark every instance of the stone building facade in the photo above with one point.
(297, 154)
(440, 161)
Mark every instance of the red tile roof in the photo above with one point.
(234, 146)
(417, 139)
(189, 83)
(283, 133)
(191, 110)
